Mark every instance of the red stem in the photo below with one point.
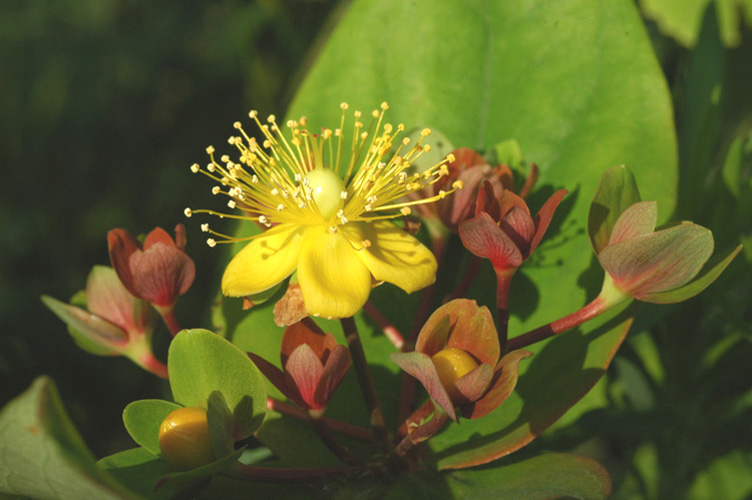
(420, 434)
(573, 320)
(367, 387)
(152, 364)
(389, 330)
(503, 282)
(322, 429)
(336, 425)
(420, 414)
(168, 315)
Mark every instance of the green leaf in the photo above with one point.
(707, 275)
(219, 418)
(200, 362)
(90, 332)
(682, 19)
(137, 468)
(43, 456)
(142, 420)
(553, 475)
(555, 378)
(175, 482)
(616, 192)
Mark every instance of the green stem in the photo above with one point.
(365, 380)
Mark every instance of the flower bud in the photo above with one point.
(184, 438)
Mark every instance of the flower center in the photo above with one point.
(451, 365)
(326, 187)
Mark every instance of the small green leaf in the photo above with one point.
(200, 362)
(616, 192)
(142, 420)
(42, 454)
(509, 152)
(706, 276)
(221, 424)
(136, 468)
(90, 332)
(171, 484)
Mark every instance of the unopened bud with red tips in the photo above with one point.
(458, 360)
(157, 270)
(185, 440)
(503, 229)
(313, 366)
(110, 321)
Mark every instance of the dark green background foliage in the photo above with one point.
(104, 104)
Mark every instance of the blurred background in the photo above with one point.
(105, 104)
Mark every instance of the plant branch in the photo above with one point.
(421, 433)
(588, 312)
(389, 330)
(365, 380)
(280, 475)
(336, 425)
(317, 417)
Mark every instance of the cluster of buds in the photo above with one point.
(113, 317)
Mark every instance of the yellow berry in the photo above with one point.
(184, 438)
(451, 365)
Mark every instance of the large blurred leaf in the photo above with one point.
(574, 82)
(42, 454)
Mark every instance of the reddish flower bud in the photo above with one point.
(112, 322)
(503, 230)
(157, 271)
(456, 359)
(313, 365)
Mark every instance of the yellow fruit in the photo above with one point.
(451, 365)
(184, 438)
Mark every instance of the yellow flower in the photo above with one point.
(327, 201)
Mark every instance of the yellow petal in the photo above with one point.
(334, 281)
(394, 255)
(264, 262)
